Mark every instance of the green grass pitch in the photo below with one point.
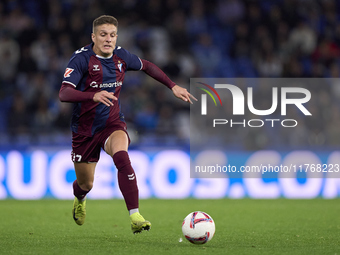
(242, 227)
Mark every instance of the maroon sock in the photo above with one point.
(78, 192)
(126, 179)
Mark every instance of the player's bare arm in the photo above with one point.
(182, 94)
(104, 97)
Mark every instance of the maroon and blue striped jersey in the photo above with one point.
(88, 72)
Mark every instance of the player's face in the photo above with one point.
(104, 38)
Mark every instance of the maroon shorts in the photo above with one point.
(87, 149)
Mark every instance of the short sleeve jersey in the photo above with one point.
(89, 72)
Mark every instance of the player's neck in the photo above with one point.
(99, 53)
(100, 56)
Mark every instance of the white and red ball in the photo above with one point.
(198, 227)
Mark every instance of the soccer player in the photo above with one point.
(92, 81)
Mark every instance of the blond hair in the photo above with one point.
(104, 19)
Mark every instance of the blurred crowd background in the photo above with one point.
(196, 38)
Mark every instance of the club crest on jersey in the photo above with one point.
(119, 66)
(95, 68)
(68, 71)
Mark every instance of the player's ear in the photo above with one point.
(93, 36)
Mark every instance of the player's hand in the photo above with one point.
(104, 97)
(183, 94)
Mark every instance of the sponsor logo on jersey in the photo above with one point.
(106, 85)
(68, 72)
(94, 84)
(95, 68)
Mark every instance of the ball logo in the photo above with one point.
(195, 220)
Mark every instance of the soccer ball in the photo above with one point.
(198, 227)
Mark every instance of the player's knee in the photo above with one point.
(87, 186)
